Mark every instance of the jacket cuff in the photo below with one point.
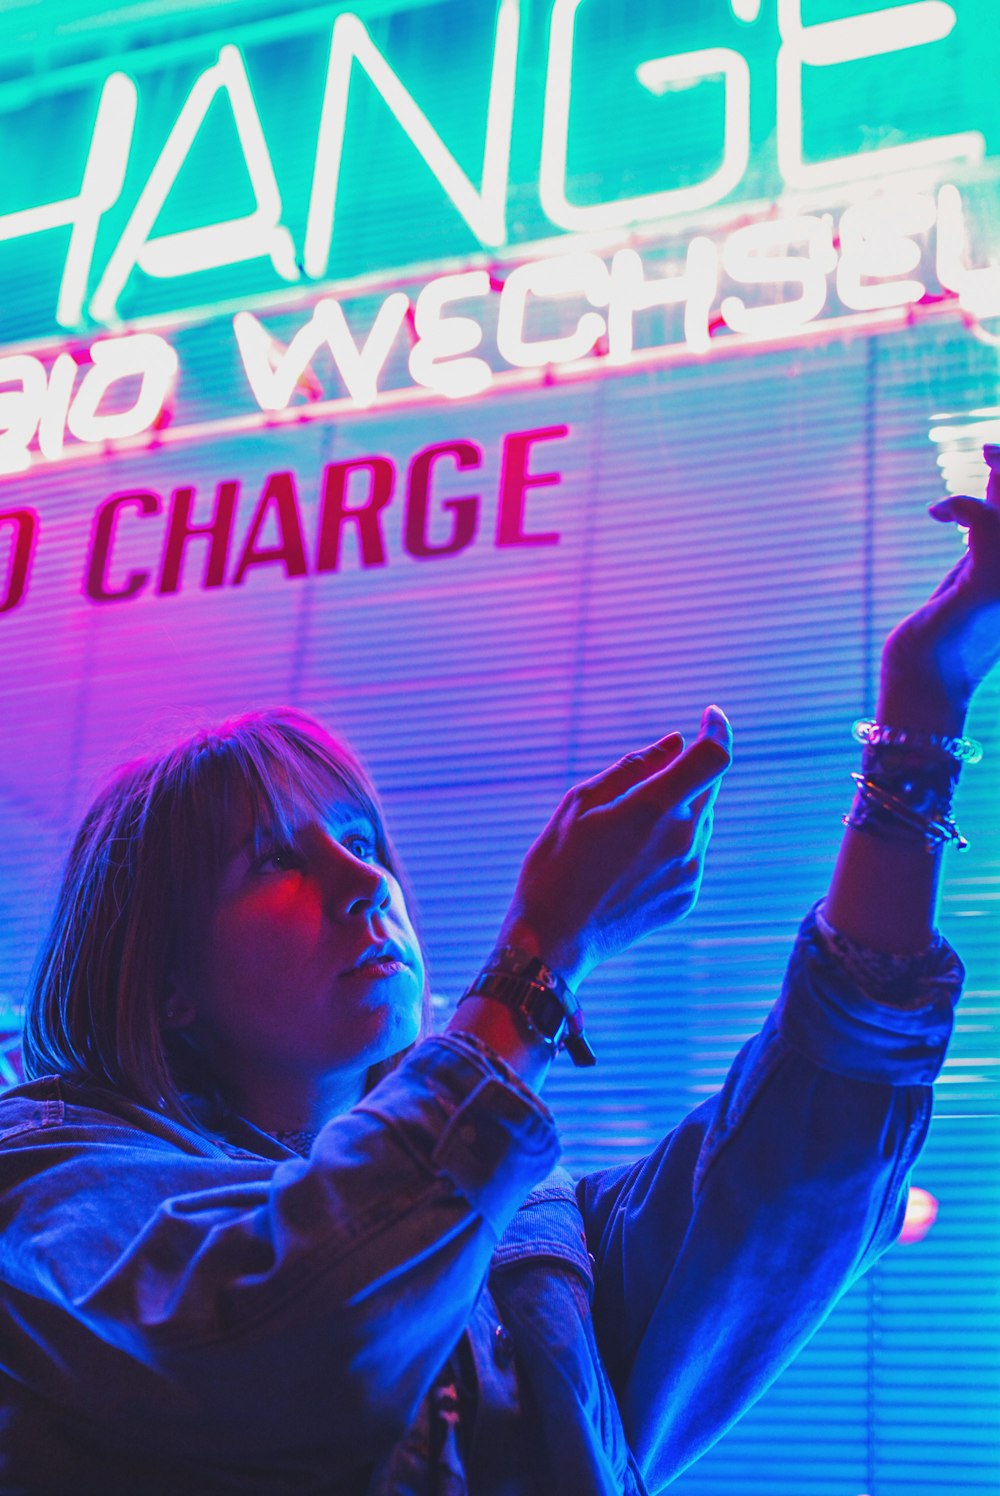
(826, 1016)
(467, 1116)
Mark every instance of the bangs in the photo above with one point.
(271, 766)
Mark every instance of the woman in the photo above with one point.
(258, 1239)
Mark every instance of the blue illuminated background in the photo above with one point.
(739, 523)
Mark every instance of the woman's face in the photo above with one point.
(312, 971)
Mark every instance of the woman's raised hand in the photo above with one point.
(623, 853)
(944, 650)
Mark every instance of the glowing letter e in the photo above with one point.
(659, 75)
(868, 35)
(485, 211)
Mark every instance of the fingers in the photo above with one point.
(699, 769)
(959, 509)
(714, 725)
(632, 769)
(982, 520)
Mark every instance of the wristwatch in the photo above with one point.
(539, 996)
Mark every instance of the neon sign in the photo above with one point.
(94, 292)
(48, 405)
(350, 517)
(885, 260)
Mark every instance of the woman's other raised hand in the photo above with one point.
(884, 891)
(934, 660)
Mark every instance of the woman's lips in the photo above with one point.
(378, 966)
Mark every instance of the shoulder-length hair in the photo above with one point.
(130, 917)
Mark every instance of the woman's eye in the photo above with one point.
(277, 859)
(363, 847)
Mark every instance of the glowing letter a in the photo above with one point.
(228, 243)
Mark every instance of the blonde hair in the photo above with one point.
(143, 868)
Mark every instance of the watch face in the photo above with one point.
(538, 1007)
(543, 1010)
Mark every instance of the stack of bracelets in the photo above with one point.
(907, 782)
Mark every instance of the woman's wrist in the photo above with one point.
(919, 701)
(530, 936)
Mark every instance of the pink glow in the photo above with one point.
(921, 1213)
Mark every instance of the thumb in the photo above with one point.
(715, 725)
(958, 509)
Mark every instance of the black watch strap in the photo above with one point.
(546, 1004)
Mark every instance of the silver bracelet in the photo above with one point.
(936, 830)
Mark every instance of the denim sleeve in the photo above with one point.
(262, 1306)
(720, 1253)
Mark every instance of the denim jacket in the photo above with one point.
(201, 1317)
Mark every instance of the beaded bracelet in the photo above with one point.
(962, 750)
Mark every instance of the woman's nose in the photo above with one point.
(375, 895)
(352, 885)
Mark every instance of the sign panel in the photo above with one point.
(404, 256)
